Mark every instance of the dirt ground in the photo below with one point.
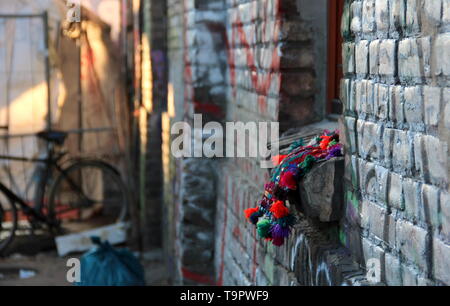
(34, 266)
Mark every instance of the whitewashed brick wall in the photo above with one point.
(396, 88)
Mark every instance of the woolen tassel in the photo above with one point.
(307, 164)
(276, 160)
(332, 143)
(334, 151)
(279, 210)
(279, 241)
(288, 180)
(325, 141)
(279, 231)
(263, 228)
(296, 144)
(289, 220)
(255, 217)
(250, 211)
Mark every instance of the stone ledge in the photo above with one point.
(321, 191)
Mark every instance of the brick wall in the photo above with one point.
(153, 97)
(277, 62)
(395, 91)
(171, 207)
(197, 82)
(248, 61)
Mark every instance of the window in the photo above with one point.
(335, 11)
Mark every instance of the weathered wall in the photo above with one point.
(276, 73)
(197, 57)
(248, 61)
(277, 63)
(396, 94)
(153, 90)
(175, 101)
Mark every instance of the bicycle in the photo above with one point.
(86, 185)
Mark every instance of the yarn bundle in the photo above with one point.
(272, 217)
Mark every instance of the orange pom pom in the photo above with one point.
(276, 160)
(325, 142)
(250, 211)
(279, 210)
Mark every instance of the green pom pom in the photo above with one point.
(332, 143)
(263, 228)
(287, 221)
(307, 164)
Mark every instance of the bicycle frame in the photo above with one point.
(28, 210)
(50, 163)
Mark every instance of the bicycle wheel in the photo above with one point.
(8, 223)
(88, 194)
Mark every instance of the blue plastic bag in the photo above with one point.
(107, 266)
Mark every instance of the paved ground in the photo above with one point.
(37, 264)
(49, 270)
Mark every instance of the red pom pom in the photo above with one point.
(279, 241)
(276, 160)
(325, 142)
(248, 212)
(279, 210)
(288, 180)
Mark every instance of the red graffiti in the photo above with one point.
(187, 65)
(260, 82)
(255, 263)
(237, 232)
(224, 227)
(210, 108)
(198, 278)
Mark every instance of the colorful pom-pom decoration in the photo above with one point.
(273, 218)
(279, 210)
(263, 227)
(250, 211)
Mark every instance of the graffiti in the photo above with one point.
(239, 49)
(255, 253)
(224, 228)
(210, 32)
(159, 66)
(373, 267)
(352, 207)
(261, 82)
(196, 277)
(323, 274)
